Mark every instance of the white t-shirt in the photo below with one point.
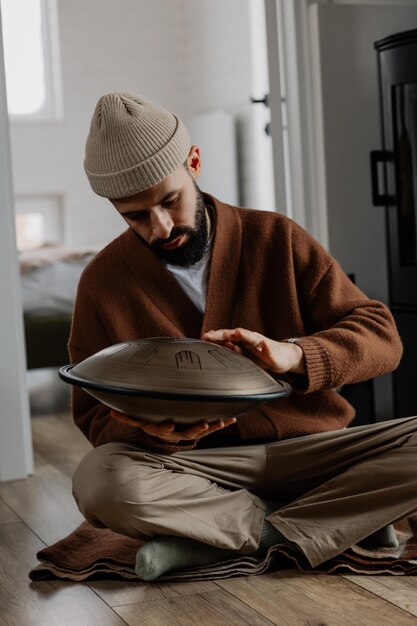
(194, 279)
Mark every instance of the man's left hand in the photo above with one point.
(165, 431)
(277, 356)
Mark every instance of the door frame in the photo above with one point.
(297, 112)
(16, 452)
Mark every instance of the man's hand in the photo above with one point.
(277, 356)
(166, 430)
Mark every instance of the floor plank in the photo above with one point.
(45, 603)
(172, 590)
(6, 513)
(291, 597)
(399, 590)
(51, 435)
(116, 592)
(407, 580)
(44, 502)
(214, 608)
(119, 592)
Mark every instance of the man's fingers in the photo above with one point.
(194, 431)
(268, 353)
(201, 430)
(219, 425)
(166, 430)
(220, 335)
(248, 338)
(166, 425)
(232, 346)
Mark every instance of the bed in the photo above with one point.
(49, 279)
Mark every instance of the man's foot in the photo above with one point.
(383, 538)
(270, 535)
(166, 553)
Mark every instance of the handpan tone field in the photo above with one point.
(182, 379)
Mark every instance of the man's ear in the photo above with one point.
(194, 161)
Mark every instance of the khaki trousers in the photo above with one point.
(334, 489)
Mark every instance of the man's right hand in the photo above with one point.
(166, 430)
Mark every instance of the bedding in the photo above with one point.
(49, 279)
(50, 275)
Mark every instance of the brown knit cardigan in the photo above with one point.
(267, 274)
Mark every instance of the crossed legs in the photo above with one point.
(336, 488)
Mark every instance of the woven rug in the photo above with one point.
(90, 553)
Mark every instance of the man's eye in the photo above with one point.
(169, 202)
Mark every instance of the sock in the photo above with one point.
(166, 553)
(383, 538)
(271, 536)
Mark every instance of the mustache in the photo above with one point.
(175, 232)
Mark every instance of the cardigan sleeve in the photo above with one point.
(88, 336)
(351, 338)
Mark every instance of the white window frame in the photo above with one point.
(53, 108)
(296, 113)
(280, 162)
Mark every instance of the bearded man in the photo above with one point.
(190, 265)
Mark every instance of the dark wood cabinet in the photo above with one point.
(405, 378)
(394, 186)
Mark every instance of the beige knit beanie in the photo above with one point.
(132, 145)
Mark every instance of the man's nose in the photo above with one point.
(161, 223)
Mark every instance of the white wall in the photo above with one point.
(191, 56)
(129, 45)
(218, 73)
(194, 56)
(227, 64)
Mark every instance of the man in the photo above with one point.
(190, 265)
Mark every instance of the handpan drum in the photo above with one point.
(174, 378)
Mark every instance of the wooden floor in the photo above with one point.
(40, 510)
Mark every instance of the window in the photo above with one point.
(39, 221)
(30, 40)
(30, 231)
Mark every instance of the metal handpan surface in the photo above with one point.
(183, 379)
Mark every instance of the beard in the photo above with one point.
(194, 248)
